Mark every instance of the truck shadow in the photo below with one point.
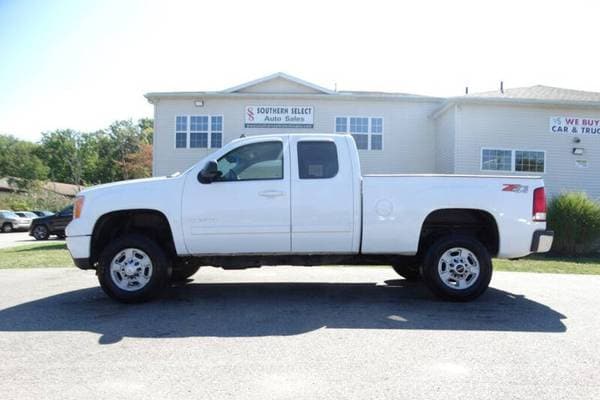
(265, 309)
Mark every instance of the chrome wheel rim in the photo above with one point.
(131, 269)
(458, 268)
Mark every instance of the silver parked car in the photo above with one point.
(10, 221)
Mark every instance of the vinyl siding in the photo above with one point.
(527, 128)
(408, 138)
(445, 141)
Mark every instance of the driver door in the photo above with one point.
(247, 209)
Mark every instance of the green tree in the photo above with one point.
(122, 151)
(146, 126)
(70, 156)
(20, 159)
(131, 146)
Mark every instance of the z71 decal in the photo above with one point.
(515, 188)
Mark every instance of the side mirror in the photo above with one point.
(209, 173)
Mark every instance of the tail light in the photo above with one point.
(539, 205)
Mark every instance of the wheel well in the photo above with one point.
(150, 223)
(477, 223)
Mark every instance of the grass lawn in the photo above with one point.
(56, 255)
(35, 256)
(555, 265)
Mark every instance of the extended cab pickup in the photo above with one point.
(301, 200)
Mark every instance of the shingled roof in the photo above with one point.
(530, 95)
(540, 92)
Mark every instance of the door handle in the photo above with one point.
(271, 193)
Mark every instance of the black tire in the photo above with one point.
(436, 284)
(40, 232)
(7, 227)
(409, 272)
(181, 273)
(158, 280)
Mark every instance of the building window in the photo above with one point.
(181, 132)
(496, 160)
(341, 125)
(202, 134)
(529, 161)
(366, 131)
(512, 160)
(376, 133)
(216, 135)
(198, 132)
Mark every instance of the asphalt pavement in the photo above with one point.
(299, 333)
(15, 239)
(21, 238)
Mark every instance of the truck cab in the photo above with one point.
(275, 195)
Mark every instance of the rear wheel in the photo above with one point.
(408, 272)
(457, 268)
(184, 272)
(133, 269)
(7, 227)
(40, 232)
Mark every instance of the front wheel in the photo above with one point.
(457, 268)
(133, 269)
(7, 228)
(40, 232)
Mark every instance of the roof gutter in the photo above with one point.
(508, 101)
(154, 96)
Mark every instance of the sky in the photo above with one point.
(82, 64)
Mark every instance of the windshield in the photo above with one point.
(27, 214)
(9, 214)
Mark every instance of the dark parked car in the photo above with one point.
(42, 213)
(43, 227)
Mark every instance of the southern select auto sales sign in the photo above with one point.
(284, 116)
(575, 125)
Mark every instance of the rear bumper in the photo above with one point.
(21, 226)
(542, 241)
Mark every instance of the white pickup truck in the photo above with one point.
(301, 200)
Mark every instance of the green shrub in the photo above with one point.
(575, 219)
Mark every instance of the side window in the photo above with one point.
(317, 160)
(66, 211)
(256, 161)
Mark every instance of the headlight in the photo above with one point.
(78, 208)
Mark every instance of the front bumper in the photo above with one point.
(83, 263)
(79, 247)
(542, 241)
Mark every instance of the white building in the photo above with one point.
(536, 130)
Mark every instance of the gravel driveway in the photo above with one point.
(299, 333)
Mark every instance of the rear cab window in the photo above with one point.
(317, 159)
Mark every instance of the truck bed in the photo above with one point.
(395, 208)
